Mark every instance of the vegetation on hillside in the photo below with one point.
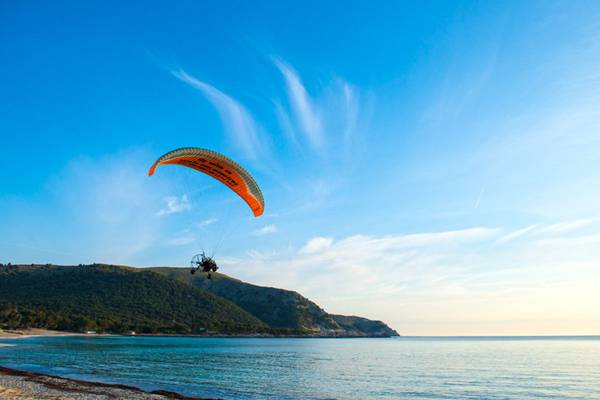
(279, 308)
(119, 299)
(114, 299)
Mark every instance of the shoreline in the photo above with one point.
(36, 332)
(17, 384)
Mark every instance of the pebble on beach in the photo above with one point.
(20, 385)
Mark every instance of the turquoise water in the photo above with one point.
(400, 368)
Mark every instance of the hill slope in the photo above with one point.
(161, 300)
(279, 308)
(114, 299)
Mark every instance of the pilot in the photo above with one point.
(207, 264)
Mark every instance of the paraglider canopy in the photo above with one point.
(219, 167)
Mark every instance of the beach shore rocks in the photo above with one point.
(20, 385)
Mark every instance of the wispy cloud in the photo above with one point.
(266, 230)
(239, 123)
(351, 108)
(515, 234)
(571, 241)
(361, 269)
(332, 117)
(174, 205)
(316, 245)
(459, 88)
(207, 222)
(566, 226)
(286, 123)
(456, 236)
(368, 254)
(427, 282)
(478, 200)
(304, 108)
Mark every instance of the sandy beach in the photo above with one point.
(33, 332)
(27, 385)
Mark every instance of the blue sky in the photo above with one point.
(434, 165)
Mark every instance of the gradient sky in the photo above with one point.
(435, 165)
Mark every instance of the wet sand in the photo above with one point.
(20, 385)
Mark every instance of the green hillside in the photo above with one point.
(117, 299)
(161, 300)
(280, 308)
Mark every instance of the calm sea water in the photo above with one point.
(401, 368)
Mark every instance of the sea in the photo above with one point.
(502, 368)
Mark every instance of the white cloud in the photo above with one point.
(478, 200)
(364, 254)
(286, 123)
(445, 237)
(174, 205)
(239, 123)
(571, 241)
(266, 230)
(365, 269)
(456, 91)
(316, 245)
(515, 234)
(351, 112)
(207, 222)
(448, 282)
(566, 226)
(303, 106)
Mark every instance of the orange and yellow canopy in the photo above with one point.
(221, 168)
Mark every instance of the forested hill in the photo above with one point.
(161, 300)
(280, 308)
(115, 299)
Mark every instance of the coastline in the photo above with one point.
(35, 332)
(17, 384)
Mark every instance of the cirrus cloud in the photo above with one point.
(266, 230)
(174, 205)
(239, 123)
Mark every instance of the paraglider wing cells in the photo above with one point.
(219, 167)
